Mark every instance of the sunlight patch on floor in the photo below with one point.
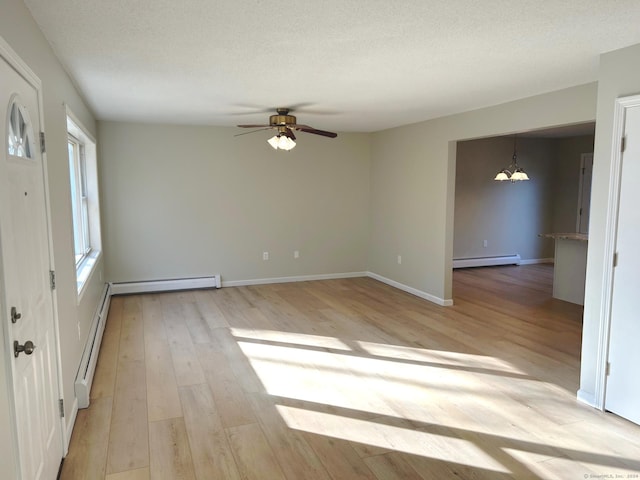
(390, 437)
(396, 384)
(316, 341)
(446, 358)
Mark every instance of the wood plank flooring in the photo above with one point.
(347, 379)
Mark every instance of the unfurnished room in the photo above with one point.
(319, 240)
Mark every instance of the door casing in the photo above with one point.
(621, 105)
(6, 354)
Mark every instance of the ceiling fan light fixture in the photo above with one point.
(281, 142)
(286, 124)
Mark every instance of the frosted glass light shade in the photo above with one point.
(281, 142)
(519, 174)
(501, 176)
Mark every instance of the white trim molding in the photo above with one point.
(611, 228)
(69, 426)
(587, 398)
(414, 291)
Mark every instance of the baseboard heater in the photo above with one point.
(486, 261)
(84, 379)
(213, 281)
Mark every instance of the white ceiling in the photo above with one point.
(348, 65)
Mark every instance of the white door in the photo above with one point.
(623, 382)
(26, 291)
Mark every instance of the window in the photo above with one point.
(83, 179)
(79, 200)
(20, 131)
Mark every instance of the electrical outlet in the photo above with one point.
(265, 255)
(484, 243)
(296, 254)
(399, 259)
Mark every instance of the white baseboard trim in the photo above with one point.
(165, 285)
(69, 426)
(535, 261)
(587, 398)
(414, 291)
(299, 278)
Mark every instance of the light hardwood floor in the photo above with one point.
(347, 379)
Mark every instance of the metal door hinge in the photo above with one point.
(608, 369)
(615, 259)
(623, 144)
(52, 279)
(61, 405)
(42, 143)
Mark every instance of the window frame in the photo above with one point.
(79, 200)
(84, 197)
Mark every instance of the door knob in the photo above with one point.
(27, 348)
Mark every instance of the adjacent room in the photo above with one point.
(519, 222)
(321, 240)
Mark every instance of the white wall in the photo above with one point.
(20, 31)
(619, 76)
(182, 201)
(413, 182)
(508, 215)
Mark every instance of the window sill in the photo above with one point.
(84, 271)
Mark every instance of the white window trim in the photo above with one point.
(87, 265)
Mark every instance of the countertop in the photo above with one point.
(581, 237)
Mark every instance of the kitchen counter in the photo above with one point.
(570, 266)
(581, 237)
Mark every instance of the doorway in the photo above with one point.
(502, 221)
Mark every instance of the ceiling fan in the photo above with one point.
(285, 124)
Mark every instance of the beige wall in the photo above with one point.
(183, 201)
(413, 182)
(619, 76)
(509, 216)
(19, 30)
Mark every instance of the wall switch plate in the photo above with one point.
(265, 255)
(484, 243)
(296, 254)
(399, 259)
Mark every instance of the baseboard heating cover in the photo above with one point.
(486, 261)
(89, 359)
(213, 281)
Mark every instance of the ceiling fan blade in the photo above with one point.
(252, 131)
(254, 126)
(289, 133)
(308, 129)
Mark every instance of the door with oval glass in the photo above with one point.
(30, 337)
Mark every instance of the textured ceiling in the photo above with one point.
(347, 65)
